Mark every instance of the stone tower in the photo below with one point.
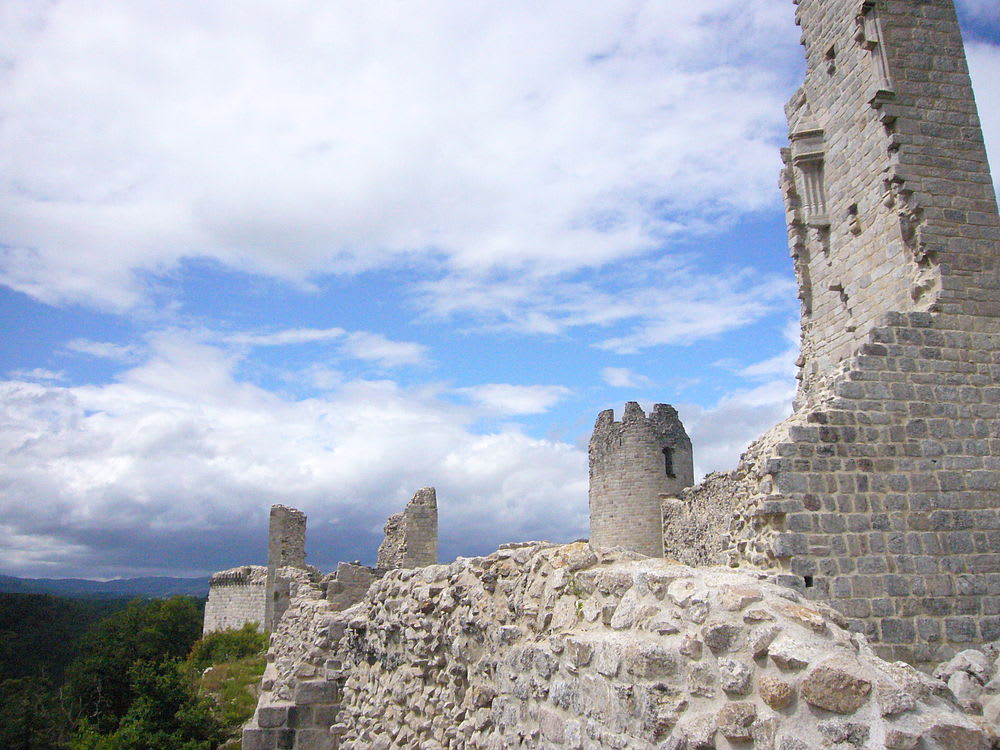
(632, 463)
(286, 547)
(888, 194)
(881, 493)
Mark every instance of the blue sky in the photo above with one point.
(324, 254)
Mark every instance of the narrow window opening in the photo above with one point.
(668, 462)
(808, 581)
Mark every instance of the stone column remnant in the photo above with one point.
(286, 547)
(632, 463)
(411, 536)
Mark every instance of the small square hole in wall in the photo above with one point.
(808, 581)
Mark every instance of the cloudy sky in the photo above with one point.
(325, 253)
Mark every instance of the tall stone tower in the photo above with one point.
(888, 194)
(881, 493)
(632, 463)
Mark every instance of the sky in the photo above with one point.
(323, 254)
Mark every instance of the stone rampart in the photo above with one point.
(542, 646)
(236, 598)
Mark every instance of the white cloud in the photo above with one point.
(288, 336)
(178, 459)
(322, 137)
(38, 374)
(719, 434)
(103, 350)
(622, 377)
(983, 10)
(375, 347)
(505, 398)
(371, 347)
(663, 301)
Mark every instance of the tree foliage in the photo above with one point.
(227, 645)
(99, 684)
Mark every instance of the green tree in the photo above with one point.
(99, 686)
(166, 712)
(30, 715)
(227, 645)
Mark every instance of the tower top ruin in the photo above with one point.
(633, 463)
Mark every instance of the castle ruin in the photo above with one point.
(878, 495)
(410, 537)
(633, 463)
(881, 494)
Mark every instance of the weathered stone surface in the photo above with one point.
(632, 464)
(775, 692)
(487, 666)
(735, 720)
(833, 688)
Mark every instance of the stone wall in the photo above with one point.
(541, 646)
(632, 463)
(348, 584)
(410, 537)
(235, 598)
(880, 494)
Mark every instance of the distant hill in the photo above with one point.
(81, 588)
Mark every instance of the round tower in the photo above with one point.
(632, 463)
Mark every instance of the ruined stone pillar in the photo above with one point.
(286, 547)
(411, 536)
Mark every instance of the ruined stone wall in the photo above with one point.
(235, 598)
(888, 193)
(410, 537)
(540, 646)
(347, 584)
(286, 548)
(632, 463)
(880, 493)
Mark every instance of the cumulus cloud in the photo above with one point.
(622, 377)
(504, 398)
(662, 301)
(174, 465)
(329, 137)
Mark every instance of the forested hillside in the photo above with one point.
(116, 675)
(156, 587)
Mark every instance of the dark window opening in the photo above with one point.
(668, 462)
(808, 580)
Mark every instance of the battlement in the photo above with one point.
(632, 463)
